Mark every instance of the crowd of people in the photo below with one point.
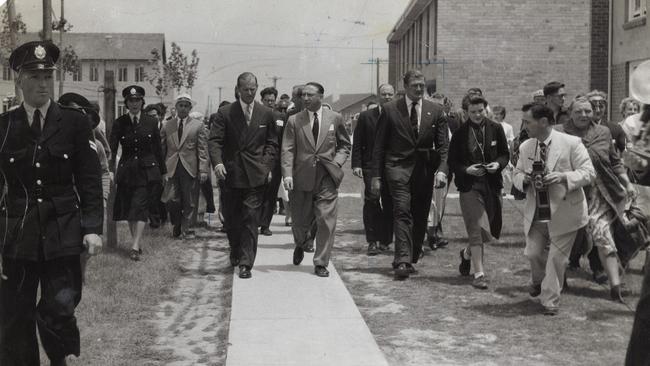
(578, 174)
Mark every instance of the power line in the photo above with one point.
(253, 45)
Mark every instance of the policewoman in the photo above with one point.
(51, 210)
(140, 166)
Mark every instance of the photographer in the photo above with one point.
(606, 197)
(478, 152)
(566, 169)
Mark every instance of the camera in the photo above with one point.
(543, 207)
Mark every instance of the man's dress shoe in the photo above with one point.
(244, 272)
(402, 271)
(321, 271)
(298, 255)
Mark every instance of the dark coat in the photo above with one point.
(247, 152)
(396, 147)
(142, 160)
(496, 150)
(364, 139)
(54, 185)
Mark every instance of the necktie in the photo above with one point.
(414, 118)
(247, 114)
(315, 127)
(180, 128)
(135, 121)
(36, 123)
(542, 151)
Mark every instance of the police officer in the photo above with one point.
(141, 166)
(52, 210)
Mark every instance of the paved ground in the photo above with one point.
(286, 315)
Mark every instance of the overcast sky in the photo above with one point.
(296, 40)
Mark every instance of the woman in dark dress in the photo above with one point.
(140, 167)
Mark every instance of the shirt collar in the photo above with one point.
(30, 110)
(409, 101)
(549, 138)
(244, 106)
(134, 115)
(318, 112)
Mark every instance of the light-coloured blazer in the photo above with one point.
(191, 149)
(300, 153)
(566, 154)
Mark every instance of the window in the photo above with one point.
(77, 75)
(139, 74)
(6, 73)
(94, 73)
(121, 109)
(636, 9)
(122, 74)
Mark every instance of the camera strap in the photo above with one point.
(479, 143)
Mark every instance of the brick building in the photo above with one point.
(630, 46)
(507, 48)
(126, 54)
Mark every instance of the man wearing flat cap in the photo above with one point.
(52, 212)
(185, 148)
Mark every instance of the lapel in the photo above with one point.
(553, 153)
(238, 120)
(173, 126)
(325, 124)
(489, 137)
(425, 120)
(304, 116)
(52, 121)
(406, 122)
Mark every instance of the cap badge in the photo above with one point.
(133, 91)
(39, 52)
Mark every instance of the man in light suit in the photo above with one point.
(568, 169)
(377, 209)
(243, 144)
(314, 148)
(411, 144)
(185, 148)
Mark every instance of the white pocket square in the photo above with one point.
(262, 126)
(279, 122)
(494, 143)
(331, 128)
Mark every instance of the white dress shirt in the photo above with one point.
(319, 112)
(30, 112)
(245, 106)
(418, 108)
(132, 116)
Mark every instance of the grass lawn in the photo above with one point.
(436, 317)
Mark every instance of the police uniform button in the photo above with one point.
(136, 140)
(39, 182)
(136, 158)
(38, 147)
(39, 200)
(65, 156)
(11, 160)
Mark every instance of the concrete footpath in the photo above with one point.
(286, 315)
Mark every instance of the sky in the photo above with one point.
(295, 40)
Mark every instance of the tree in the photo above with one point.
(175, 74)
(5, 33)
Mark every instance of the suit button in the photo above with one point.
(38, 147)
(136, 149)
(11, 160)
(38, 165)
(136, 140)
(136, 158)
(39, 182)
(40, 200)
(65, 156)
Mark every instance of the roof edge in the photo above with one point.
(412, 11)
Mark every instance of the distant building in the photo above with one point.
(126, 54)
(350, 104)
(630, 47)
(509, 49)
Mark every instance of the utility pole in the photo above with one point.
(109, 117)
(375, 61)
(47, 32)
(11, 17)
(62, 23)
(219, 94)
(275, 80)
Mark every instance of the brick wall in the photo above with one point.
(599, 44)
(619, 88)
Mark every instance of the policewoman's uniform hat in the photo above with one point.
(133, 92)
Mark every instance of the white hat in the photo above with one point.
(184, 98)
(640, 83)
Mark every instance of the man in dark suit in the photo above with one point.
(51, 209)
(269, 95)
(377, 210)
(315, 146)
(243, 145)
(411, 144)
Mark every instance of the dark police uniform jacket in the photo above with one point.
(141, 161)
(52, 185)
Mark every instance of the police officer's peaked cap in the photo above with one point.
(133, 91)
(37, 55)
